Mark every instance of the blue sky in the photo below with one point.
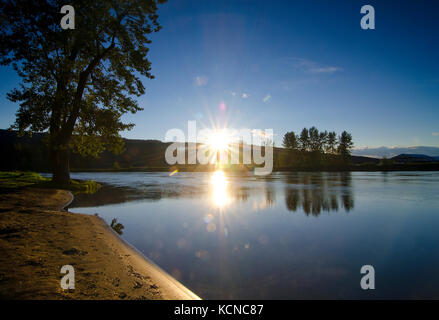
(310, 60)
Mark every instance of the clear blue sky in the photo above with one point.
(311, 57)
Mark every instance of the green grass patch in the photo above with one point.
(88, 186)
(21, 179)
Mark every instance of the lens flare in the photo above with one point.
(266, 98)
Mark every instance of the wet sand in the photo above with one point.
(37, 238)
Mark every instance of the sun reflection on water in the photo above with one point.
(220, 196)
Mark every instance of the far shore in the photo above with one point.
(37, 238)
(366, 167)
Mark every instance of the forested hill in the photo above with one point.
(31, 153)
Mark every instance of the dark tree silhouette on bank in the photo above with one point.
(290, 141)
(316, 149)
(331, 143)
(345, 145)
(76, 84)
(304, 143)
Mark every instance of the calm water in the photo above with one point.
(289, 235)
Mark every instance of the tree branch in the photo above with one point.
(70, 124)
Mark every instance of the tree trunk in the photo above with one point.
(60, 164)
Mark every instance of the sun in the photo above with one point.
(217, 145)
(218, 141)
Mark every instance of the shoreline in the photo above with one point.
(357, 168)
(38, 237)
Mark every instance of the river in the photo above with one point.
(284, 236)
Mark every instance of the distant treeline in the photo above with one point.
(326, 151)
(310, 151)
(316, 149)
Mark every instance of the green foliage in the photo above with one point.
(77, 84)
(316, 149)
(331, 143)
(88, 186)
(116, 165)
(317, 139)
(304, 142)
(20, 179)
(345, 144)
(290, 141)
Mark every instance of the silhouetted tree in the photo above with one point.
(331, 143)
(77, 84)
(314, 139)
(317, 139)
(345, 145)
(316, 142)
(290, 141)
(323, 137)
(304, 142)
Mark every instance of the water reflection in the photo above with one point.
(311, 193)
(314, 193)
(220, 196)
(258, 249)
(270, 196)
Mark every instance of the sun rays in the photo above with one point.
(219, 141)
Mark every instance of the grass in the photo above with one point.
(22, 179)
(19, 179)
(88, 186)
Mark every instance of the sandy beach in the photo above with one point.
(37, 238)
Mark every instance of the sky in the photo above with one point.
(285, 65)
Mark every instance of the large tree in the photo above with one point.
(290, 141)
(345, 144)
(76, 84)
(304, 141)
(331, 142)
(317, 139)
